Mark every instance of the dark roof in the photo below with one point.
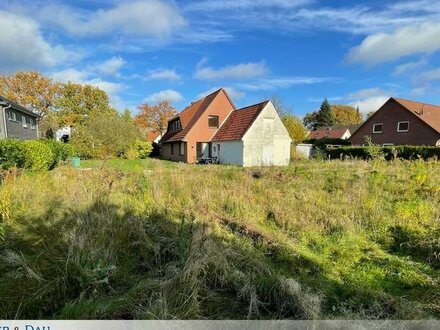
(189, 116)
(328, 132)
(428, 113)
(238, 122)
(18, 107)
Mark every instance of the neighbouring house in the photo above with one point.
(401, 122)
(253, 136)
(17, 122)
(153, 136)
(332, 132)
(189, 132)
(213, 128)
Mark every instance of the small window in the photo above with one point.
(23, 120)
(214, 149)
(377, 128)
(12, 116)
(172, 148)
(213, 121)
(175, 125)
(218, 147)
(32, 123)
(182, 148)
(403, 126)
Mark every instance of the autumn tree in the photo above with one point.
(279, 105)
(346, 114)
(32, 90)
(310, 119)
(77, 103)
(296, 129)
(155, 117)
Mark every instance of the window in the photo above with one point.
(213, 121)
(182, 148)
(23, 120)
(32, 123)
(218, 147)
(172, 148)
(175, 125)
(12, 116)
(377, 128)
(403, 126)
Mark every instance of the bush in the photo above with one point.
(61, 151)
(38, 156)
(403, 152)
(11, 154)
(139, 149)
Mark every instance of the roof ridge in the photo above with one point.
(419, 102)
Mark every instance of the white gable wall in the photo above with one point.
(267, 141)
(231, 152)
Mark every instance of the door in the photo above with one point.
(267, 158)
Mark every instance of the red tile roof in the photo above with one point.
(328, 132)
(238, 123)
(428, 113)
(190, 115)
(152, 135)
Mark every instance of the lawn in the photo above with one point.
(150, 239)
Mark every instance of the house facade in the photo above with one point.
(401, 122)
(189, 133)
(253, 136)
(16, 122)
(213, 128)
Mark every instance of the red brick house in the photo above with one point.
(401, 122)
(329, 133)
(190, 131)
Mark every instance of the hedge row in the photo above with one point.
(33, 154)
(403, 152)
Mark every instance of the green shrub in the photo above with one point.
(60, 151)
(38, 156)
(11, 154)
(139, 149)
(402, 152)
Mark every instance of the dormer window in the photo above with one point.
(213, 121)
(403, 126)
(174, 126)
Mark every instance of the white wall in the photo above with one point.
(266, 131)
(231, 152)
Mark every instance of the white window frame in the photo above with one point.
(12, 116)
(32, 123)
(402, 130)
(182, 149)
(23, 121)
(387, 144)
(374, 128)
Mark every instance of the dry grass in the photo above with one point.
(161, 240)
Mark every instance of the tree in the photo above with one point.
(105, 137)
(78, 103)
(346, 114)
(296, 129)
(279, 105)
(325, 116)
(369, 114)
(155, 117)
(310, 119)
(31, 90)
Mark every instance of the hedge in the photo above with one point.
(33, 154)
(403, 152)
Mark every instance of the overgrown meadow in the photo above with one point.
(149, 239)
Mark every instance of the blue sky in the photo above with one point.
(351, 52)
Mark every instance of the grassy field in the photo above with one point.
(150, 239)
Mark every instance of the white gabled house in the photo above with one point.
(252, 136)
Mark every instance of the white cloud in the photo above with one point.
(234, 93)
(111, 67)
(23, 45)
(408, 40)
(86, 78)
(148, 18)
(369, 99)
(427, 76)
(410, 66)
(165, 95)
(284, 82)
(211, 5)
(239, 71)
(164, 74)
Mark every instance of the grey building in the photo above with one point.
(16, 122)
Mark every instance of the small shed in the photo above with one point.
(253, 136)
